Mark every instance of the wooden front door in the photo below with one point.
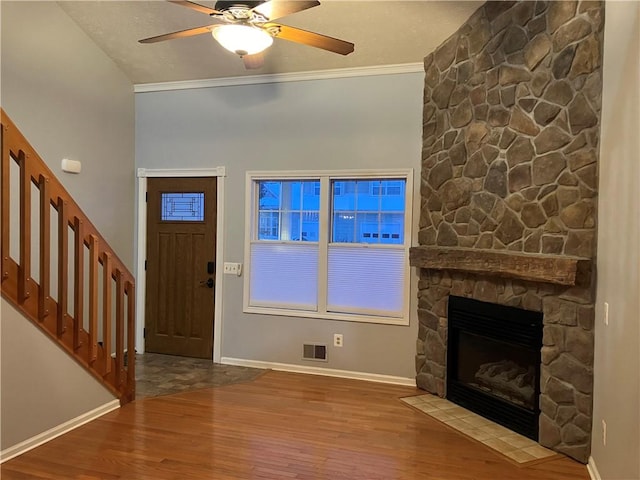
(181, 246)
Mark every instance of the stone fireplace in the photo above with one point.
(509, 193)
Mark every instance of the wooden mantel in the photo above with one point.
(556, 269)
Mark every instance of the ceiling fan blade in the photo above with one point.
(195, 6)
(313, 39)
(253, 62)
(182, 33)
(280, 8)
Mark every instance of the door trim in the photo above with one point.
(141, 249)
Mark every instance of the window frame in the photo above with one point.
(324, 240)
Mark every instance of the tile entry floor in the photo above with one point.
(158, 374)
(513, 445)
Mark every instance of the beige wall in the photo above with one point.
(69, 100)
(270, 127)
(42, 387)
(617, 361)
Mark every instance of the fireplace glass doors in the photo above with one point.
(493, 362)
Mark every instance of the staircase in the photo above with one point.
(69, 283)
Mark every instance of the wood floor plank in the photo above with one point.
(279, 426)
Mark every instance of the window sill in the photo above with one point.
(344, 317)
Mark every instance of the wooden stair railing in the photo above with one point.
(94, 332)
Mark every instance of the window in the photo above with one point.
(288, 210)
(371, 214)
(182, 207)
(327, 245)
(387, 188)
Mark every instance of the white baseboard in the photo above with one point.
(329, 372)
(593, 470)
(44, 437)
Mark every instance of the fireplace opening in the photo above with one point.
(493, 362)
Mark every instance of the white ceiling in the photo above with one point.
(385, 33)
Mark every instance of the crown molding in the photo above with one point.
(281, 77)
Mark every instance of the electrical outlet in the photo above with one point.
(232, 268)
(606, 313)
(337, 340)
(604, 433)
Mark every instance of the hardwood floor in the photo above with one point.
(279, 426)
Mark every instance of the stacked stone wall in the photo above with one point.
(510, 158)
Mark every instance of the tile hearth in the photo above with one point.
(513, 445)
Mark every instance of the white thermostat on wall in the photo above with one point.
(71, 166)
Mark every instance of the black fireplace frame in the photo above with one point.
(487, 320)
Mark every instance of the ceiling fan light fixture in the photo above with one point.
(242, 39)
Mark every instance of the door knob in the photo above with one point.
(208, 282)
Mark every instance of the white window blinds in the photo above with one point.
(284, 275)
(368, 280)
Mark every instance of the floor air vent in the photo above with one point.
(312, 351)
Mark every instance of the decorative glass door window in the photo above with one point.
(182, 207)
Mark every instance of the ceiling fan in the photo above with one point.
(246, 27)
